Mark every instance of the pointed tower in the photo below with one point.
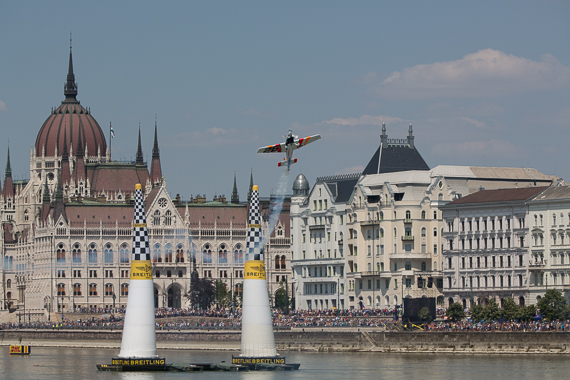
(250, 186)
(257, 338)
(155, 169)
(46, 200)
(70, 88)
(140, 158)
(235, 195)
(59, 206)
(65, 175)
(8, 185)
(79, 168)
(139, 337)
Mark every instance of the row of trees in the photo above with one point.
(552, 306)
(204, 292)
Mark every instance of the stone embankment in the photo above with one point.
(319, 340)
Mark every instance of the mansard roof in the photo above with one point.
(115, 176)
(340, 186)
(395, 155)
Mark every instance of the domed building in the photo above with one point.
(67, 231)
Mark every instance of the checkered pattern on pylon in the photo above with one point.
(141, 248)
(254, 249)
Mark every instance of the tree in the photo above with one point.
(455, 312)
(425, 315)
(491, 311)
(202, 291)
(223, 295)
(476, 313)
(282, 299)
(510, 310)
(553, 305)
(527, 313)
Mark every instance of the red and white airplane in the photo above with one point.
(291, 143)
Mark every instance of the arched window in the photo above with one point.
(92, 289)
(60, 289)
(207, 254)
(424, 266)
(108, 253)
(76, 289)
(124, 289)
(60, 254)
(223, 254)
(381, 215)
(408, 216)
(423, 232)
(156, 254)
(8, 283)
(124, 253)
(168, 218)
(179, 253)
(156, 218)
(92, 254)
(109, 290)
(381, 232)
(238, 254)
(423, 214)
(277, 262)
(168, 253)
(76, 253)
(283, 263)
(9, 295)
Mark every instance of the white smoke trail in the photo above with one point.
(276, 205)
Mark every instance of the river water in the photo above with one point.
(77, 363)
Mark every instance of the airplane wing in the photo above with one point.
(272, 148)
(306, 140)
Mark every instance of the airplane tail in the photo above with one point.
(284, 162)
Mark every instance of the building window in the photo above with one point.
(108, 253)
(124, 254)
(92, 289)
(92, 254)
(124, 289)
(179, 253)
(76, 254)
(60, 254)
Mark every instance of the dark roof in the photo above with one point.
(500, 195)
(395, 158)
(341, 186)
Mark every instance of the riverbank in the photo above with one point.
(315, 340)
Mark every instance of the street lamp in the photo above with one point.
(62, 306)
(114, 297)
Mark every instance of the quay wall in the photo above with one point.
(320, 340)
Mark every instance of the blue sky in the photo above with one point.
(484, 83)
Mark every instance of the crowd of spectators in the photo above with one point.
(185, 319)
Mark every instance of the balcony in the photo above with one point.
(410, 255)
(408, 238)
(407, 221)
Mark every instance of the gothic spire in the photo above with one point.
(80, 151)
(58, 190)
(65, 153)
(70, 88)
(250, 186)
(140, 158)
(155, 150)
(8, 166)
(235, 195)
(45, 195)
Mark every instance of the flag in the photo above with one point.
(112, 132)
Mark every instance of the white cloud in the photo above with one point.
(476, 123)
(363, 120)
(217, 131)
(484, 73)
(3, 106)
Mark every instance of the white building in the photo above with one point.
(390, 226)
(549, 242)
(486, 251)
